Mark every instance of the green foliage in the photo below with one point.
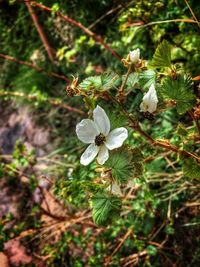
(105, 207)
(147, 78)
(120, 164)
(152, 250)
(125, 164)
(102, 82)
(181, 130)
(179, 90)
(153, 198)
(132, 80)
(191, 168)
(162, 56)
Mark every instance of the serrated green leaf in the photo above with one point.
(191, 168)
(132, 80)
(105, 208)
(101, 82)
(147, 78)
(90, 83)
(107, 80)
(120, 163)
(162, 56)
(125, 164)
(180, 90)
(117, 120)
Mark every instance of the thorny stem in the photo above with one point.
(48, 48)
(165, 21)
(159, 143)
(96, 37)
(164, 144)
(191, 11)
(33, 66)
(120, 94)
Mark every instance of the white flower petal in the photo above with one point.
(116, 138)
(150, 100)
(89, 154)
(102, 120)
(135, 55)
(102, 155)
(86, 131)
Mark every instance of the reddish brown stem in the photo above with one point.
(33, 66)
(48, 48)
(166, 145)
(96, 37)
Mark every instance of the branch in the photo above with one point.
(41, 33)
(164, 144)
(53, 102)
(96, 37)
(33, 66)
(191, 11)
(164, 21)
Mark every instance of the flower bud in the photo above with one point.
(134, 55)
(149, 101)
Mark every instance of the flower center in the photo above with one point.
(99, 140)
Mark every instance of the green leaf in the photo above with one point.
(105, 207)
(116, 119)
(90, 83)
(120, 163)
(132, 80)
(162, 56)
(147, 78)
(125, 164)
(191, 168)
(180, 90)
(101, 82)
(107, 80)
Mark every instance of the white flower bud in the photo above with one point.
(135, 55)
(149, 101)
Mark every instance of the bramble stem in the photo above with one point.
(33, 66)
(120, 94)
(53, 102)
(96, 37)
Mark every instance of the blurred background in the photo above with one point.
(44, 217)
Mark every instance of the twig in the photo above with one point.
(165, 21)
(108, 261)
(96, 37)
(53, 102)
(166, 145)
(120, 94)
(103, 16)
(33, 66)
(195, 18)
(48, 48)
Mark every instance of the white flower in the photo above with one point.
(97, 133)
(149, 101)
(135, 55)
